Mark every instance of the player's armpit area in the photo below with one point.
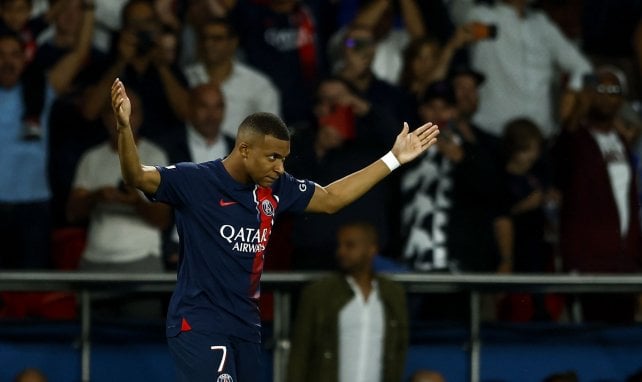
(149, 180)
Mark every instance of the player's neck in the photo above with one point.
(220, 72)
(233, 164)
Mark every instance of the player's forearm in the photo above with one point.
(130, 166)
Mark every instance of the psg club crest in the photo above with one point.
(267, 208)
(224, 378)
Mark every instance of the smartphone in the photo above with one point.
(483, 31)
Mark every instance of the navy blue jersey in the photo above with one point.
(224, 227)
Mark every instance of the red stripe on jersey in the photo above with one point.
(266, 205)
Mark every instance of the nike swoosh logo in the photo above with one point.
(223, 203)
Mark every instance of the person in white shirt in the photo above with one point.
(111, 208)
(521, 64)
(246, 90)
(352, 326)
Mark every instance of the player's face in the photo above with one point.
(264, 160)
(354, 251)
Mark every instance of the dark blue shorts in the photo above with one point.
(214, 358)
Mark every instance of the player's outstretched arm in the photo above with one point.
(340, 193)
(144, 178)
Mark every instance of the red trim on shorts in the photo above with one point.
(185, 327)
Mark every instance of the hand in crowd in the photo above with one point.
(339, 94)
(533, 201)
(462, 36)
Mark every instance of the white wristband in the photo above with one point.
(391, 161)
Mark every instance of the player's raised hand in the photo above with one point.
(409, 145)
(120, 104)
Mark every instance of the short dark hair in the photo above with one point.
(265, 124)
(11, 35)
(124, 12)
(368, 229)
(3, 3)
(222, 21)
(567, 376)
(518, 133)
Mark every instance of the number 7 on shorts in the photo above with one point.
(224, 350)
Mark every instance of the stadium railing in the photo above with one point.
(282, 285)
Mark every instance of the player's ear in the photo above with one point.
(244, 149)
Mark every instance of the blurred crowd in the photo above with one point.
(536, 170)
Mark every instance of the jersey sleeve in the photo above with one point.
(294, 194)
(176, 184)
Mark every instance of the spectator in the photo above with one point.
(356, 68)
(452, 218)
(568, 376)
(351, 326)
(280, 38)
(30, 375)
(246, 90)
(600, 225)
(194, 14)
(426, 61)
(109, 21)
(450, 196)
(139, 62)
(533, 207)
(15, 17)
(69, 134)
(202, 138)
(379, 16)
(427, 376)
(520, 66)
(168, 46)
(527, 196)
(99, 195)
(346, 134)
(25, 217)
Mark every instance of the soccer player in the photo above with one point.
(224, 215)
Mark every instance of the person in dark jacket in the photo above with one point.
(353, 325)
